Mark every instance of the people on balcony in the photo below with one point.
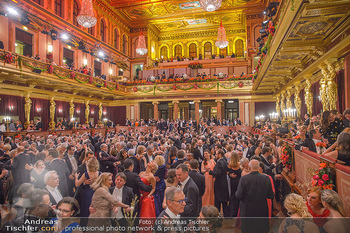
(331, 126)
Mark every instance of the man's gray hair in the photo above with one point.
(150, 148)
(171, 191)
(48, 176)
(131, 152)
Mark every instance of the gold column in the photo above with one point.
(196, 109)
(52, 123)
(278, 107)
(323, 88)
(308, 96)
(100, 112)
(71, 109)
(288, 96)
(297, 100)
(331, 88)
(27, 107)
(155, 110)
(218, 105)
(87, 111)
(176, 109)
(283, 106)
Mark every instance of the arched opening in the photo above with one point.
(164, 52)
(223, 52)
(75, 12)
(103, 30)
(193, 50)
(59, 8)
(239, 48)
(116, 38)
(125, 44)
(178, 51)
(208, 50)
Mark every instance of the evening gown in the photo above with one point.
(234, 202)
(147, 210)
(160, 189)
(208, 197)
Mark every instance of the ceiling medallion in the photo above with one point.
(87, 18)
(222, 41)
(141, 45)
(210, 5)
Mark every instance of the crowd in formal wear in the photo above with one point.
(182, 172)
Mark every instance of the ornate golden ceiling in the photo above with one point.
(169, 15)
(308, 34)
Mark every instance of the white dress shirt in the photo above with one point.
(56, 194)
(184, 183)
(118, 194)
(245, 151)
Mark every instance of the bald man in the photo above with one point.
(253, 191)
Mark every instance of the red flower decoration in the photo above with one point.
(240, 84)
(72, 74)
(135, 89)
(195, 86)
(50, 69)
(325, 177)
(320, 182)
(8, 58)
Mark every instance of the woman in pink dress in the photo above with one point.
(207, 165)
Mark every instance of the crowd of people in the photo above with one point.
(191, 58)
(184, 172)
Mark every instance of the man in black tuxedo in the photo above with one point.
(265, 157)
(106, 160)
(39, 124)
(170, 217)
(307, 119)
(61, 169)
(198, 178)
(72, 164)
(177, 141)
(253, 190)
(180, 159)
(52, 181)
(125, 195)
(221, 191)
(199, 151)
(19, 172)
(190, 190)
(251, 149)
(310, 143)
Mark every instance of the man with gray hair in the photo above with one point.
(106, 160)
(52, 181)
(176, 202)
(253, 191)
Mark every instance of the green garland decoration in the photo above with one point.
(184, 89)
(164, 90)
(217, 87)
(228, 88)
(33, 67)
(207, 88)
(97, 84)
(61, 77)
(111, 88)
(146, 91)
(79, 81)
(20, 62)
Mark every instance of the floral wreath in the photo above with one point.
(287, 157)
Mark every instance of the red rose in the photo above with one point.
(320, 182)
(174, 87)
(240, 84)
(315, 177)
(135, 89)
(325, 177)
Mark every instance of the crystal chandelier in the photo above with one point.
(87, 18)
(141, 45)
(221, 42)
(210, 5)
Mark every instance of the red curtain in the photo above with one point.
(16, 102)
(62, 110)
(94, 113)
(317, 105)
(79, 109)
(303, 107)
(41, 108)
(340, 80)
(264, 108)
(117, 114)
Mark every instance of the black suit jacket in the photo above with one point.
(19, 173)
(199, 179)
(63, 173)
(106, 162)
(174, 164)
(134, 181)
(268, 166)
(221, 184)
(161, 225)
(128, 194)
(52, 200)
(309, 143)
(191, 192)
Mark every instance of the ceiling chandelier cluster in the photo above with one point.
(141, 45)
(222, 41)
(87, 18)
(210, 5)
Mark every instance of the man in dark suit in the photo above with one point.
(251, 149)
(180, 159)
(310, 143)
(61, 168)
(253, 190)
(307, 119)
(170, 217)
(177, 141)
(125, 195)
(72, 164)
(52, 181)
(265, 157)
(19, 172)
(221, 191)
(106, 160)
(39, 124)
(198, 178)
(190, 190)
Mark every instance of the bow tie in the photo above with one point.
(179, 184)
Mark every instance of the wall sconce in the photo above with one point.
(11, 108)
(50, 48)
(104, 113)
(38, 109)
(111, 71)
(60, 110)
(92, 112)
(78, 111)
(85, 62)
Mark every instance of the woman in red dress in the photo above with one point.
(315, 207)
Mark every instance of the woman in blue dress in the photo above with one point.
(86, 191)
(160, 185)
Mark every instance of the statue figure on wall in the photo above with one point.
(288, 102)
(278, 108)
(71, 109)
(332, 88)
(52, 123)
(100, 112)
(323, 94)
(297, 100)
(27, 107)
(283, 106)
(87, 111)
(308, 97)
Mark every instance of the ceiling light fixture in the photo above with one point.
(141, 45)
(210, 5)
(87, 18)
(222, 41)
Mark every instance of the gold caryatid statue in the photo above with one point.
(71, 110)
(332, 88)
(278, 108)
(297, 100)
(283, 106)
(289, 104)
(100, 112)
(52, 123)
(308, 96)
(87, 111)
(27, 107)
